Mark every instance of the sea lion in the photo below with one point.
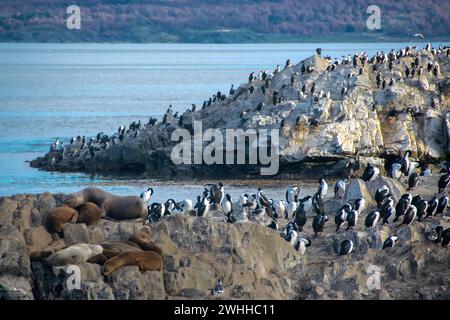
(98, 259)
(146, 261)
(89, 213)
(116, 207)
(59, 216)
(75, 254)
(41, 254)
(113, 248)
(142, 238)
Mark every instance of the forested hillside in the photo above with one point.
(222, 20)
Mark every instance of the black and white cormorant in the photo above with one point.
(372, 219)
(346, 247)
(390, 242)
(370, 173)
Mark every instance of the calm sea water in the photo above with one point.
(50, 91)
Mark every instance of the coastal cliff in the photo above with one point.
(333, 117)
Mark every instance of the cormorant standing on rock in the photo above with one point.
(352, 219)
(360, 204)
(251, 77)
(218, 288)
(292, 194)
(401, 207)
(444, 181)
(413, 180)
(146, 195)
(302, 244)
(232, 91)
(273, 225)
(199, 202)
(442, 205)
(300, 216)
(323, 188)
(390, 242)
(313, 87)
(319, 223)
(275, 97)
(381, 194)
(346, 247)
(436, 71)
(340, 218)
(288, 63)
(304, 88)
(409, 216)
(204, 207)
(432, 207)
(339, 188)
(372, 219)
(396, 170)
(422, 207)
(317, 204)
(370, 173)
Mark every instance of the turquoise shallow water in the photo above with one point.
(61, 90)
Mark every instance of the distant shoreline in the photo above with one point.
(258, 39)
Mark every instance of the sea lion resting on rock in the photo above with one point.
(41, 254)
(113, 248)
(89, 213)
(138, 242)
(75, 254)
(146, 261)
(116, 207)
(59, 216)
(142, 238)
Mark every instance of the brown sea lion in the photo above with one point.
(41, 254)
(113, 248)
(59, 216)
(98, 259)
(89, 213)
(115, 207)
(142, 238)
(146, 261)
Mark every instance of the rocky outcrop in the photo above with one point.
(253, 261)
(197, 251)
(334, 134)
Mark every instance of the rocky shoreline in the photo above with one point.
(254, 261)
(333, 118)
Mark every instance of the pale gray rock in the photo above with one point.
(76, 233)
